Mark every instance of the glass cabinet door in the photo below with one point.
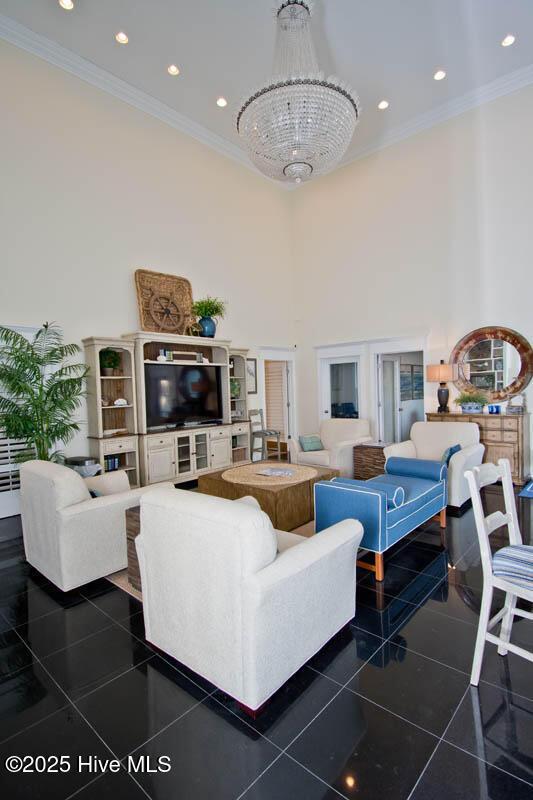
(184, 454)
(201, 451)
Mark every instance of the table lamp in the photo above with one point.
(442, 373)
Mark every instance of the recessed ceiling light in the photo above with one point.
(222, 102)
(68, 5)
(173, 70)
(122, 37)
(383, 105)
(439, 75)
(508, 40)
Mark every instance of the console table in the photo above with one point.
(504, 436)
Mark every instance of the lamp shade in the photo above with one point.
(441, 373)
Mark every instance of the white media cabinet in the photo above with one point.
(178, 455)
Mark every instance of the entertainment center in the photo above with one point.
(174, 409)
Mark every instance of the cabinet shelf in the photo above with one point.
(115, 377)
(187, 363)
(114, 408)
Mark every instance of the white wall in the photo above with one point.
(92, 189)
(430, 237)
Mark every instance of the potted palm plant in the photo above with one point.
(471, 402)
(209, 311)
(40, 390)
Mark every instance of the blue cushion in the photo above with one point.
(310, 443)
(395, 494)
(416, 468)
(448, 453)
(515, 564)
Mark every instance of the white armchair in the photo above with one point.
(429, 440)
(339, 437)
(70, 537)
(237, 602)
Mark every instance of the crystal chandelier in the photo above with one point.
(300, 124)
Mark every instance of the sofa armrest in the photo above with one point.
(293, 606)
(401, 450)
(341, 455)
(109, 483)
(110, 504)
(465, 459)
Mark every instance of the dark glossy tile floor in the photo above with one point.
(383, 710)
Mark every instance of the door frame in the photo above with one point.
(287, 354)
(324, 382)
(380, 358)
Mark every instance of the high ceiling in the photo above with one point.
(386, 49)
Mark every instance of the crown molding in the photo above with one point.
(65, 59)
(20, 36)
(512, 82)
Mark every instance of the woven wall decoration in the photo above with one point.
(165, 302)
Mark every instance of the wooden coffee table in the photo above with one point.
(288, 504)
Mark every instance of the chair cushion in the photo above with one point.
(448, 453)
(432, 438)
(310, 443)
(316, 458)
(287, 540)
(515, 565)
(395, 494)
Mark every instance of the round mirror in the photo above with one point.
(497, 361)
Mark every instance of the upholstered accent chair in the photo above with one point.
(236, 601)
(429, 440)
(69, 536)
(339, 437)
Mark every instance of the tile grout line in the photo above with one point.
(441, 738)
(70, 702)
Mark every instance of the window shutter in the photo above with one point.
(275, 394)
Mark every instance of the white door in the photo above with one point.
(389, 398)
(339, 388)
(220, 453)
(10, 450)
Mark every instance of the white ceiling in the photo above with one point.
(383, 48)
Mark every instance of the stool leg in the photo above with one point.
(279, 447)
(380, 569)
(442, 518)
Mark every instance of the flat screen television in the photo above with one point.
(178, 395)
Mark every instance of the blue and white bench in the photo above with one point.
(389, 507)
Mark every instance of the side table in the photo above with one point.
(369, 460)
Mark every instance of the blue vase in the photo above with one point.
(208, 326)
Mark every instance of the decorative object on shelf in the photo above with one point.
(105, 402)
(109, 361)
(494, 409)
(251, 375)
(496, 360)
(120, 401)
(517, 404)
(442, 373)
(162, 356)
(471, 402)
(41, 390)
(235, 388)
(209, 311)
(299, 123)
(165, 302)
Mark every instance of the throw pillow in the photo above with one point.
(448, 453)
(311, 442)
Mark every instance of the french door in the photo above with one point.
(339, 388)
(389, 406)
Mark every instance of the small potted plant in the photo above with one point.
(471, 402)
(109, 361)
(209, 311)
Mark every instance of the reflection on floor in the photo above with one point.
(385, 710)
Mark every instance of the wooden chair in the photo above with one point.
(509, 569)
(258, 431)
